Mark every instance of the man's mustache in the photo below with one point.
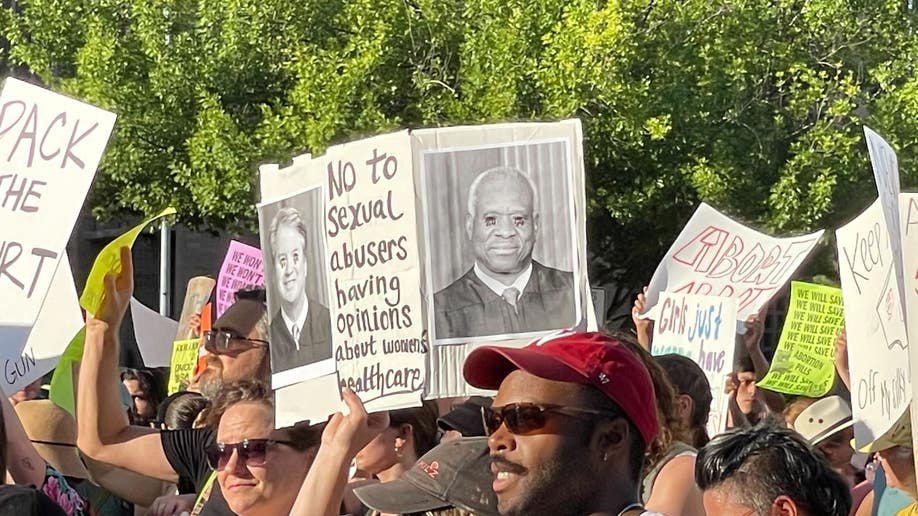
(505, 465)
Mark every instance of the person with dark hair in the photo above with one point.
(180, 410)
(301, 326)
(238, 351)
(693, 397)
(146, 394)
(668, 483)
(768, 469)
(464, 419)
(569, 427)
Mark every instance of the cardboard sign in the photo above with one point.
(181, 367)
(404, 234)
(242, 267)
(155, 334)
(908, 205)
(196, 296)
(715, 255)
(50, 146)
(877, 340)
(702, 328)
(804, 361)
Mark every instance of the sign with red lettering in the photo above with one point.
(715, 255)
(242, 268)
(877, 340)
(50, 146)
(701, 328)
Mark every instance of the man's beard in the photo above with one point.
(211, 382)
(558, 486)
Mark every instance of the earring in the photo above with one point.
(398, 451)
(605, 456)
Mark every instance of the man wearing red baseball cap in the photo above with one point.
(573, 416)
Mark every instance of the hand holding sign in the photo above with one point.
(119, 287)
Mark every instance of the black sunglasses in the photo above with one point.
(251, 452)
(222, 341)
(524, 418)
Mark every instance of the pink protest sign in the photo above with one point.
(241, 268)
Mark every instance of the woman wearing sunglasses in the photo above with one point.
(259, 469)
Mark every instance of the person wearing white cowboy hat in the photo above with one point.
(827, 424)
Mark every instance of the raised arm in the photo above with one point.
(841, 358)
(343, 437)
(103, 429)
(23, 462)
(643, 327)
(752, 341)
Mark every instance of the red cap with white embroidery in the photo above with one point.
(588, 358)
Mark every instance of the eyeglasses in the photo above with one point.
(524, 418)
(222, 342)
(251, 452)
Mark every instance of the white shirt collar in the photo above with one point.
(299, 321)
(497, 287)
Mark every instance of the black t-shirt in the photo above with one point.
(184, 450)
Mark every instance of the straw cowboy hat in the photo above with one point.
(823, 419)
(52, 431)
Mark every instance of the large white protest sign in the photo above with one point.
(715, 255)
(877, 339)
(398, 230)
(455, 170)
(702, 328)
(50, 146)
(886, 173)
(58, 320)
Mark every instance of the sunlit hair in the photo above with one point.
(289, 217)
(502, 173)
(795, 408)
(302, 436)
(689, 379)
(757, 465)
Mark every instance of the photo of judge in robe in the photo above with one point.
(506, 291)
(300, 331)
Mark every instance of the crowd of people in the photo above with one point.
(582, 423)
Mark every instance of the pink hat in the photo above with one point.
(585, 358)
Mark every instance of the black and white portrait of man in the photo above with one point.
(497, 284)
(300, 327)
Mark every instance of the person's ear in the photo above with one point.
(685, 405)
(612, 441)
(784, 506)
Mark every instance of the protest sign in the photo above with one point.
(456, 246)
(885, 166)
(702, 328)
(197, 294)
(50, 146)
(109, 261)
(908, 205)
(155, 334)
(181, 366)
(877, 339)
(394, 215)
(804, 361)
(715, 255)
(241, 268)
(61, 389)
(57, 322)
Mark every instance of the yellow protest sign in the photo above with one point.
(61, 390)
(109, 260)
(804, 361)
(184, 359)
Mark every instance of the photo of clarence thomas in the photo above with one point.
(300, 324)
(502, 252)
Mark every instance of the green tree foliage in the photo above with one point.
(755, 106)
